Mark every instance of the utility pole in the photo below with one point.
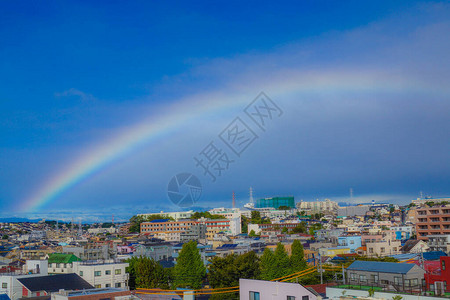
(320, 270)
(343, 274)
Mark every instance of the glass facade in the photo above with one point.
(276, 202)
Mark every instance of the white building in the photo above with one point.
(422, 201)
(324, 207)
(250, 289)
(12, 287)
(103, 274)
(177, 215)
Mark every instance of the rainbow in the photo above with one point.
(177, 115)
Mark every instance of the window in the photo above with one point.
(254, 296)
(290, 298)
(107, 285)
(81, 273)
(118, 271)
(397, 280)
(108, 272)
(118, 285)
(4, 285)
(382, 249)
(443, 265)
(97, 286)
(374, 278)
(352, 276)
(305, 297)
(352, 242)
(97, 273)
(362, 278)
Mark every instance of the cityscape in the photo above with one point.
(231, 150)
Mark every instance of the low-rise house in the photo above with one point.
(250, 289)
(352, 242)
(414, 246)
(383, 248)
(400, 276)
(332, 252)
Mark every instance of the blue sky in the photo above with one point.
(363, 87)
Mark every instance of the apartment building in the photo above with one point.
(177, 215)
(167, 226)
(440, 242)
(325, 207)
(214, 227)
(103, 274)
(432, 221)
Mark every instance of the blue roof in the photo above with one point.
(433, 255)
(382, 267)
(4, 297)
(227, 246)
(159, 220)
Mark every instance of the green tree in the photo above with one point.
(282, 263)
(226, 271)
(206, 214)
(135, 221)
(244, 224)
(297, 259)
(5, 237)
(300, 228)
(252, 233)
(146, 273)
(284, 207)
(268, 265)
(189, 270)
(284, 230)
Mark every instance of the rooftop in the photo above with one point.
(383, 267)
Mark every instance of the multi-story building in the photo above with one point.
(89, 252)
(160, 226)
(103, 274)
(177, 215)
(439, 242)
(214, 227)
(433, 220)
(276, 202)
(61, 263)
(157, 251)
(173, 230)
(351, 211)
(326, 207)
(9, 283)
(422, 201)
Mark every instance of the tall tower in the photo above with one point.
(234, 200)
(251, 195)
(80, 230)
(351, 194)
